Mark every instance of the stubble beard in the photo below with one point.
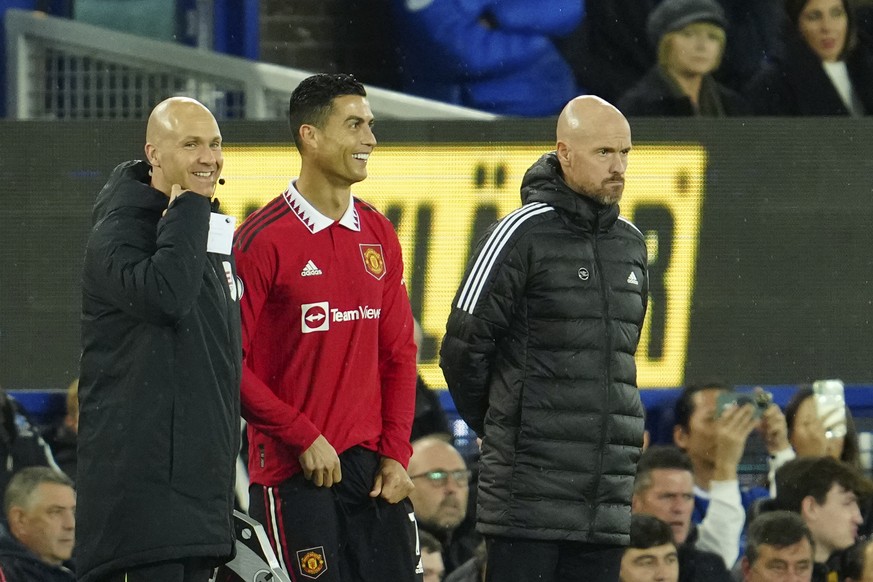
(606, 195)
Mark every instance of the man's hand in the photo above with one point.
(320, 463)
(175, 191)
(392, 483)
(732, 430)
(774, 429)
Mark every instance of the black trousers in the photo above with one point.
(339, 534)
(523, 560)
(188, 570)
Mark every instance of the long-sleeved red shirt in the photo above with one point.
(327, 334)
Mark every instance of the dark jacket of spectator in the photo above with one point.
(498, 56)
(430, 418)
(467, 572)
(63, 443)
(19, 564)
(549, 356)
(700, 566)
(797, 85)
(609, 51)
(157, 442)
(754, 39)
(657, 95)
(21, 444)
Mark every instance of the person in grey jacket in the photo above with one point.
(539, 358)
(161, 363)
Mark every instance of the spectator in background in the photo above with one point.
(651, 555)
(609, 51)
(825, 493)
(827, 68)
(755, 39)
(431, 557)
(715, 446)
(779, 548)
(664, 487)
(430, 418)
(62, 439)
(690, 37)
(442, 485)
(473, 570)
(494, 55)
(40, 506)
(808, 436)
(21, 444)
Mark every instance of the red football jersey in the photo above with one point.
(327, 334)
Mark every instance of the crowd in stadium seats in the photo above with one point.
(693, 519)
(710, 58)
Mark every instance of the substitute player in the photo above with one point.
(329, 377)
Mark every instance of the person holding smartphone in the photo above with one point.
(808, 430)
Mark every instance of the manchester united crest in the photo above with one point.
(373, 261)
(312, 562)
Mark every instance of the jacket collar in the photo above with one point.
(129, 186)
(543, 183)
(314, 220)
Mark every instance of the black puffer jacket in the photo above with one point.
(159, 386)
(539, 358)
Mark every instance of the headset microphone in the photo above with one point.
(221, 181)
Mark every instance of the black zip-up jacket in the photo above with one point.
(159, 386)
(19, 564)
(539, 358)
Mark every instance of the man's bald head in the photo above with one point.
(593, 139)
(583, 112)
(440, 504)
(167, 116)
(183, 145)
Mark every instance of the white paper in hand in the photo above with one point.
(221, 229)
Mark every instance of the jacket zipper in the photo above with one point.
(607, 354)
(216, 262)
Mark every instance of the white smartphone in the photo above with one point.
(830, 403)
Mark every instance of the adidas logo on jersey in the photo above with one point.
(310, 270)
(632, 279)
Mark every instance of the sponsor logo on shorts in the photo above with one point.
(312, 562)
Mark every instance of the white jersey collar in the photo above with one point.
(314, 220)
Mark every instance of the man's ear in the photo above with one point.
(808, 507)
(16, 519)
(151, 153)
(563, 153)
(680, 436)
(308, 135)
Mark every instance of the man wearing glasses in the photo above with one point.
(440, 497)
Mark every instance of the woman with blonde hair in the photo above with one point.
(690, 37)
